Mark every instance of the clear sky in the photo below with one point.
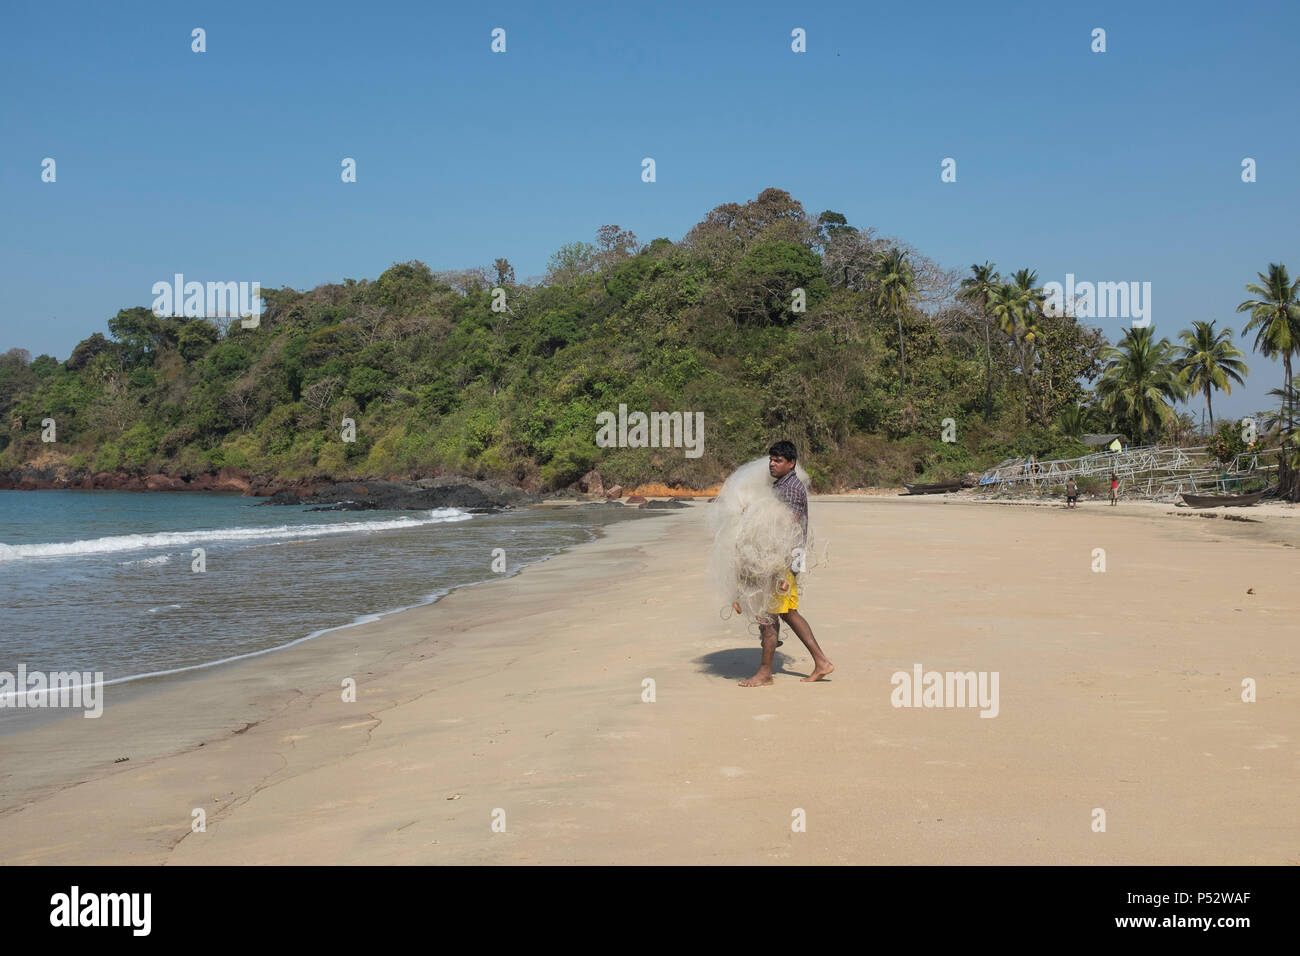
(225, 165)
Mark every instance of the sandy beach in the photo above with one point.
(520, 703)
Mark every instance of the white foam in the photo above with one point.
(184, 539)
(156, 559)
(361, 619)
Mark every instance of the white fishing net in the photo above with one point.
(754, 540)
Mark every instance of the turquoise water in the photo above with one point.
(106, 580)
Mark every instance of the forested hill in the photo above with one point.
(437, 381)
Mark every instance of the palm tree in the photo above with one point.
(1140, 382)
(1016, 306)
(893, 282)
(1007, 309)
(1208, 360)
(1286, 397)
(1276, 313)
(979, 289)
(1073, 421)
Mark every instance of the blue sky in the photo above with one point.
(225, 165)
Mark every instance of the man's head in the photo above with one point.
(781, 458)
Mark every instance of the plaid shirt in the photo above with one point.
(791, 490)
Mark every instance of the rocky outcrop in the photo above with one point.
(422, 495)
(163, 483)
(614, 493)
(589, 484)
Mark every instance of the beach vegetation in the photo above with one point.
(884, 347)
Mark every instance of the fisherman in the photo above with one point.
(785, 602)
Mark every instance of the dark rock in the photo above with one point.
(591, 484)
(636, 500)
(423, 495)
(163, 483)
(282, 497)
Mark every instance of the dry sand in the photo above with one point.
(1119, 690)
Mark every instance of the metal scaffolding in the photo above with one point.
(1153, 471)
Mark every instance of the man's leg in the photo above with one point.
(821, 665)
(764, 675)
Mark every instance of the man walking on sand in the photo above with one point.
(785, 603)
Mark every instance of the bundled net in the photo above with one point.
(754, 540)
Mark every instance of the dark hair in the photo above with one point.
(784, 449)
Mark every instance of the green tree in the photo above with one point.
(195, 338)
(571, 260)
(893, 283)
(1140, 382)
(140, 332)
(1073, 421)
(1208, 360)
(766, 276)
(1275, 313)
(978, 289)
(86, 350)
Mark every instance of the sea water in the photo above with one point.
(137, 584)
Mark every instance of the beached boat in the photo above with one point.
(934, 489)
(1223, 501)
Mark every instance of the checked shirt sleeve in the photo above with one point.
(791, 491)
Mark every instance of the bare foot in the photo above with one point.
(819, 672)
(758, 680)
(735, 606)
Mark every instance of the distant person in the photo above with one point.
(1114, 488)
(785, 602)
(1071, 494)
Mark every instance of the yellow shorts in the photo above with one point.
(783, 601)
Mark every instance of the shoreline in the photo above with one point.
(137, 687)
(528, 696)
(171, 718)
(361, 618)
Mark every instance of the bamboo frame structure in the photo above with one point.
(1159, 472)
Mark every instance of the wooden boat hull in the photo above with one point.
(1222, 501)
(935, 489)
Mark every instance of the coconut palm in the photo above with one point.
(979, 289)
(1032, 297)
(1276, 315)
(1286, 396)
(1015, 308)
(1140, 382)
(1007, 308)
(1208, 360)
(893, 284)
(1073, 421)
